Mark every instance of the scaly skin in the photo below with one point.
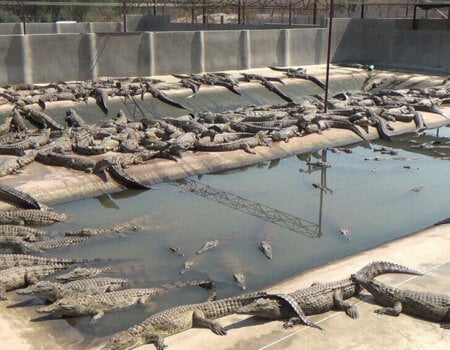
(22, 276)
(319, 297)
(14, 260)
(19, 198)
(179, 319)
(19, 246)
(31, 217)
(97, 305)
(53, 291)
(430, 306)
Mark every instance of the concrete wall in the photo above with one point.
(48, 57)
(390, 43)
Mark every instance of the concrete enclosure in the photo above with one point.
(48, 57)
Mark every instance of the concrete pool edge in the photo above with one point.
(427, 250)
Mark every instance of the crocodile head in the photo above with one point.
(263, 307)
(39, 288)
(380, 292)
(64, 305)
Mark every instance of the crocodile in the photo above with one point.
(53, 291)
(97, 305)
(5, 127)
(178, 319)
(16, 164)
(19, 246)
(207, 246)
(29, 234)
(129, 225)
(74, 119)
(70, 161)
(31, 217)
(32, 140)
(101, 98)
(19, 198)
(266, 248)
(245, 144)
(13, 260)
(429, 306)
(79, 273)
(42, 119)
(319, 297)
(22, 276)
(161, 96)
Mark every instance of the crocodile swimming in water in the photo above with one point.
(319, 297)
(426, 305)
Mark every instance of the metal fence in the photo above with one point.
(289, 12)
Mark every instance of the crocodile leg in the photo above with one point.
(346, 306)
(200, 321)
(97, 316)
(300, 318)
(392, 311)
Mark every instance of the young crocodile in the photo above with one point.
(319, 297)
(430, 306)
(53, 291)
(178, 319)
(31, 217)
(22, 276)
(97, 305)
(14, 260)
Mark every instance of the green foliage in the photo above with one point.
(8, 17)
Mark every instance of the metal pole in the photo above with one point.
(24, 24)
(243, 11)
(124, 16)
(330, 28)
(239, 11)
(154, 7)
(290, 13)
(362, 9)
(315, 12)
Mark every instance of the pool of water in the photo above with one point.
(375, 200)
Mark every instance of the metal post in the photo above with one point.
(192, 14)
(124, 16)
(362, 9)
(290, 13)
(330, 28)
(154, 7)
(243, 11)
(204, 12)
(239, 11)
(22, 10)
(315, 12)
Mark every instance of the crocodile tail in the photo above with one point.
(377, 268)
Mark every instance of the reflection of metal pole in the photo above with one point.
(22, 10)
(323, 183)
(330, 27)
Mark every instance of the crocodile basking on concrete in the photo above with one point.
(16, 164)
(14, 260)
(97, 305)
(245, 144)
(19, 198)
(319, 297)
(22, 276)
(429, 306)
(26, 233)
(18, 246)
(31, 217)
(53, 291)
(178, 319)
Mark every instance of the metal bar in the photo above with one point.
(315, 12)
(239, 11)
(290, 13)
(154, 7)
(259, 210)
(362, 9)
(24, 22)
(124, 16)
(330, 29)
(414, 24)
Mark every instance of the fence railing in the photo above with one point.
(248, 12)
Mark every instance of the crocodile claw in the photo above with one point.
(352, 312)
(219, 330)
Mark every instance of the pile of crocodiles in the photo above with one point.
(30, 134)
